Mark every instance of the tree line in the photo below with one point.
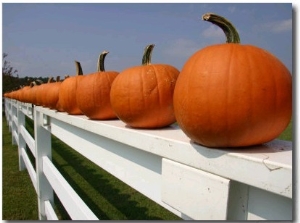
(10, 77)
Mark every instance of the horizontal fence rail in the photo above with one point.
(190, 180)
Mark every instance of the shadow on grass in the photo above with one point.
(112, 198)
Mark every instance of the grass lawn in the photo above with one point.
(107, 197)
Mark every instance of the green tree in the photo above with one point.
(9, 81)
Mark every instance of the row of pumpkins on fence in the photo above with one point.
(226, 95)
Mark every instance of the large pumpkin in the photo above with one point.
(142, 96)
(233, 95)
(93, 92)
(67, 92)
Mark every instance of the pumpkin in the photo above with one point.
(27, 92)
(232, 95)
(58, 106)
(142, 96)
(41, 92)
(35, 91)
(93, 92)
(67, 92)
(51, 94)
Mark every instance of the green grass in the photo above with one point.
(19, 200)
(287, 134)
(107, 197)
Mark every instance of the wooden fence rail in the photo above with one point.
(190, 180)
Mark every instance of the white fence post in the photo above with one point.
(21, 143)
(43, 148)
(14, 127)
(8, 117)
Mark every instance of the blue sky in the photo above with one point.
(44, 39)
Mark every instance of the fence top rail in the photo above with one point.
(268, 166)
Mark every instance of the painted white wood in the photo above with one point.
(260, 177)
(15, 120)
(76, 208)
(43, 148)
(263, 205)
(50, 213)
(238, 201)
(29, 168)
(197, 194)
(14, 125)
(139, 169)
(28, 139)
(15, 137)
(21, 142)
(273, 160)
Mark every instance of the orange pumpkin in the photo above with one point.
(35, 91)
(41, 93)
(26, 93)
(58, 106)
(51, 94)
(93, 92)
(67, 92)
(233, 95)
(142, 96)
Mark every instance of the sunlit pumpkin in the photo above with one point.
(51, 94)
(35, 91)
(233, 95)
(142, 96)
(93, 92)
(67, 92)
(58, 106)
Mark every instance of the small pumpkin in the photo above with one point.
(58, 106)
(93, 92)
(34, 92)
(27, 92)
(41, 92)
(142, 96)
(51, 94)
(232, 95)
(67, 92)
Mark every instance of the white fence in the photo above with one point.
(192, 181)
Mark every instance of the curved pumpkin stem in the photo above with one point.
(147, 54)
(78, 68)
(229, 30)
(100, 64)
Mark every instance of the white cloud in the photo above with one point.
(282, 26)
(181, 48)
(279, 26)
(213, 32)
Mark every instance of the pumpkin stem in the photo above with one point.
(229, 30)
(100, 64)
(147, 54)
(38, 82)
(78, 68)
(57, 78)
(50, 79)
(32, 84)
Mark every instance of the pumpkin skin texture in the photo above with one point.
(93, 92)
(52, 93)
(233, 95)
(142, 96)
(67, 93)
